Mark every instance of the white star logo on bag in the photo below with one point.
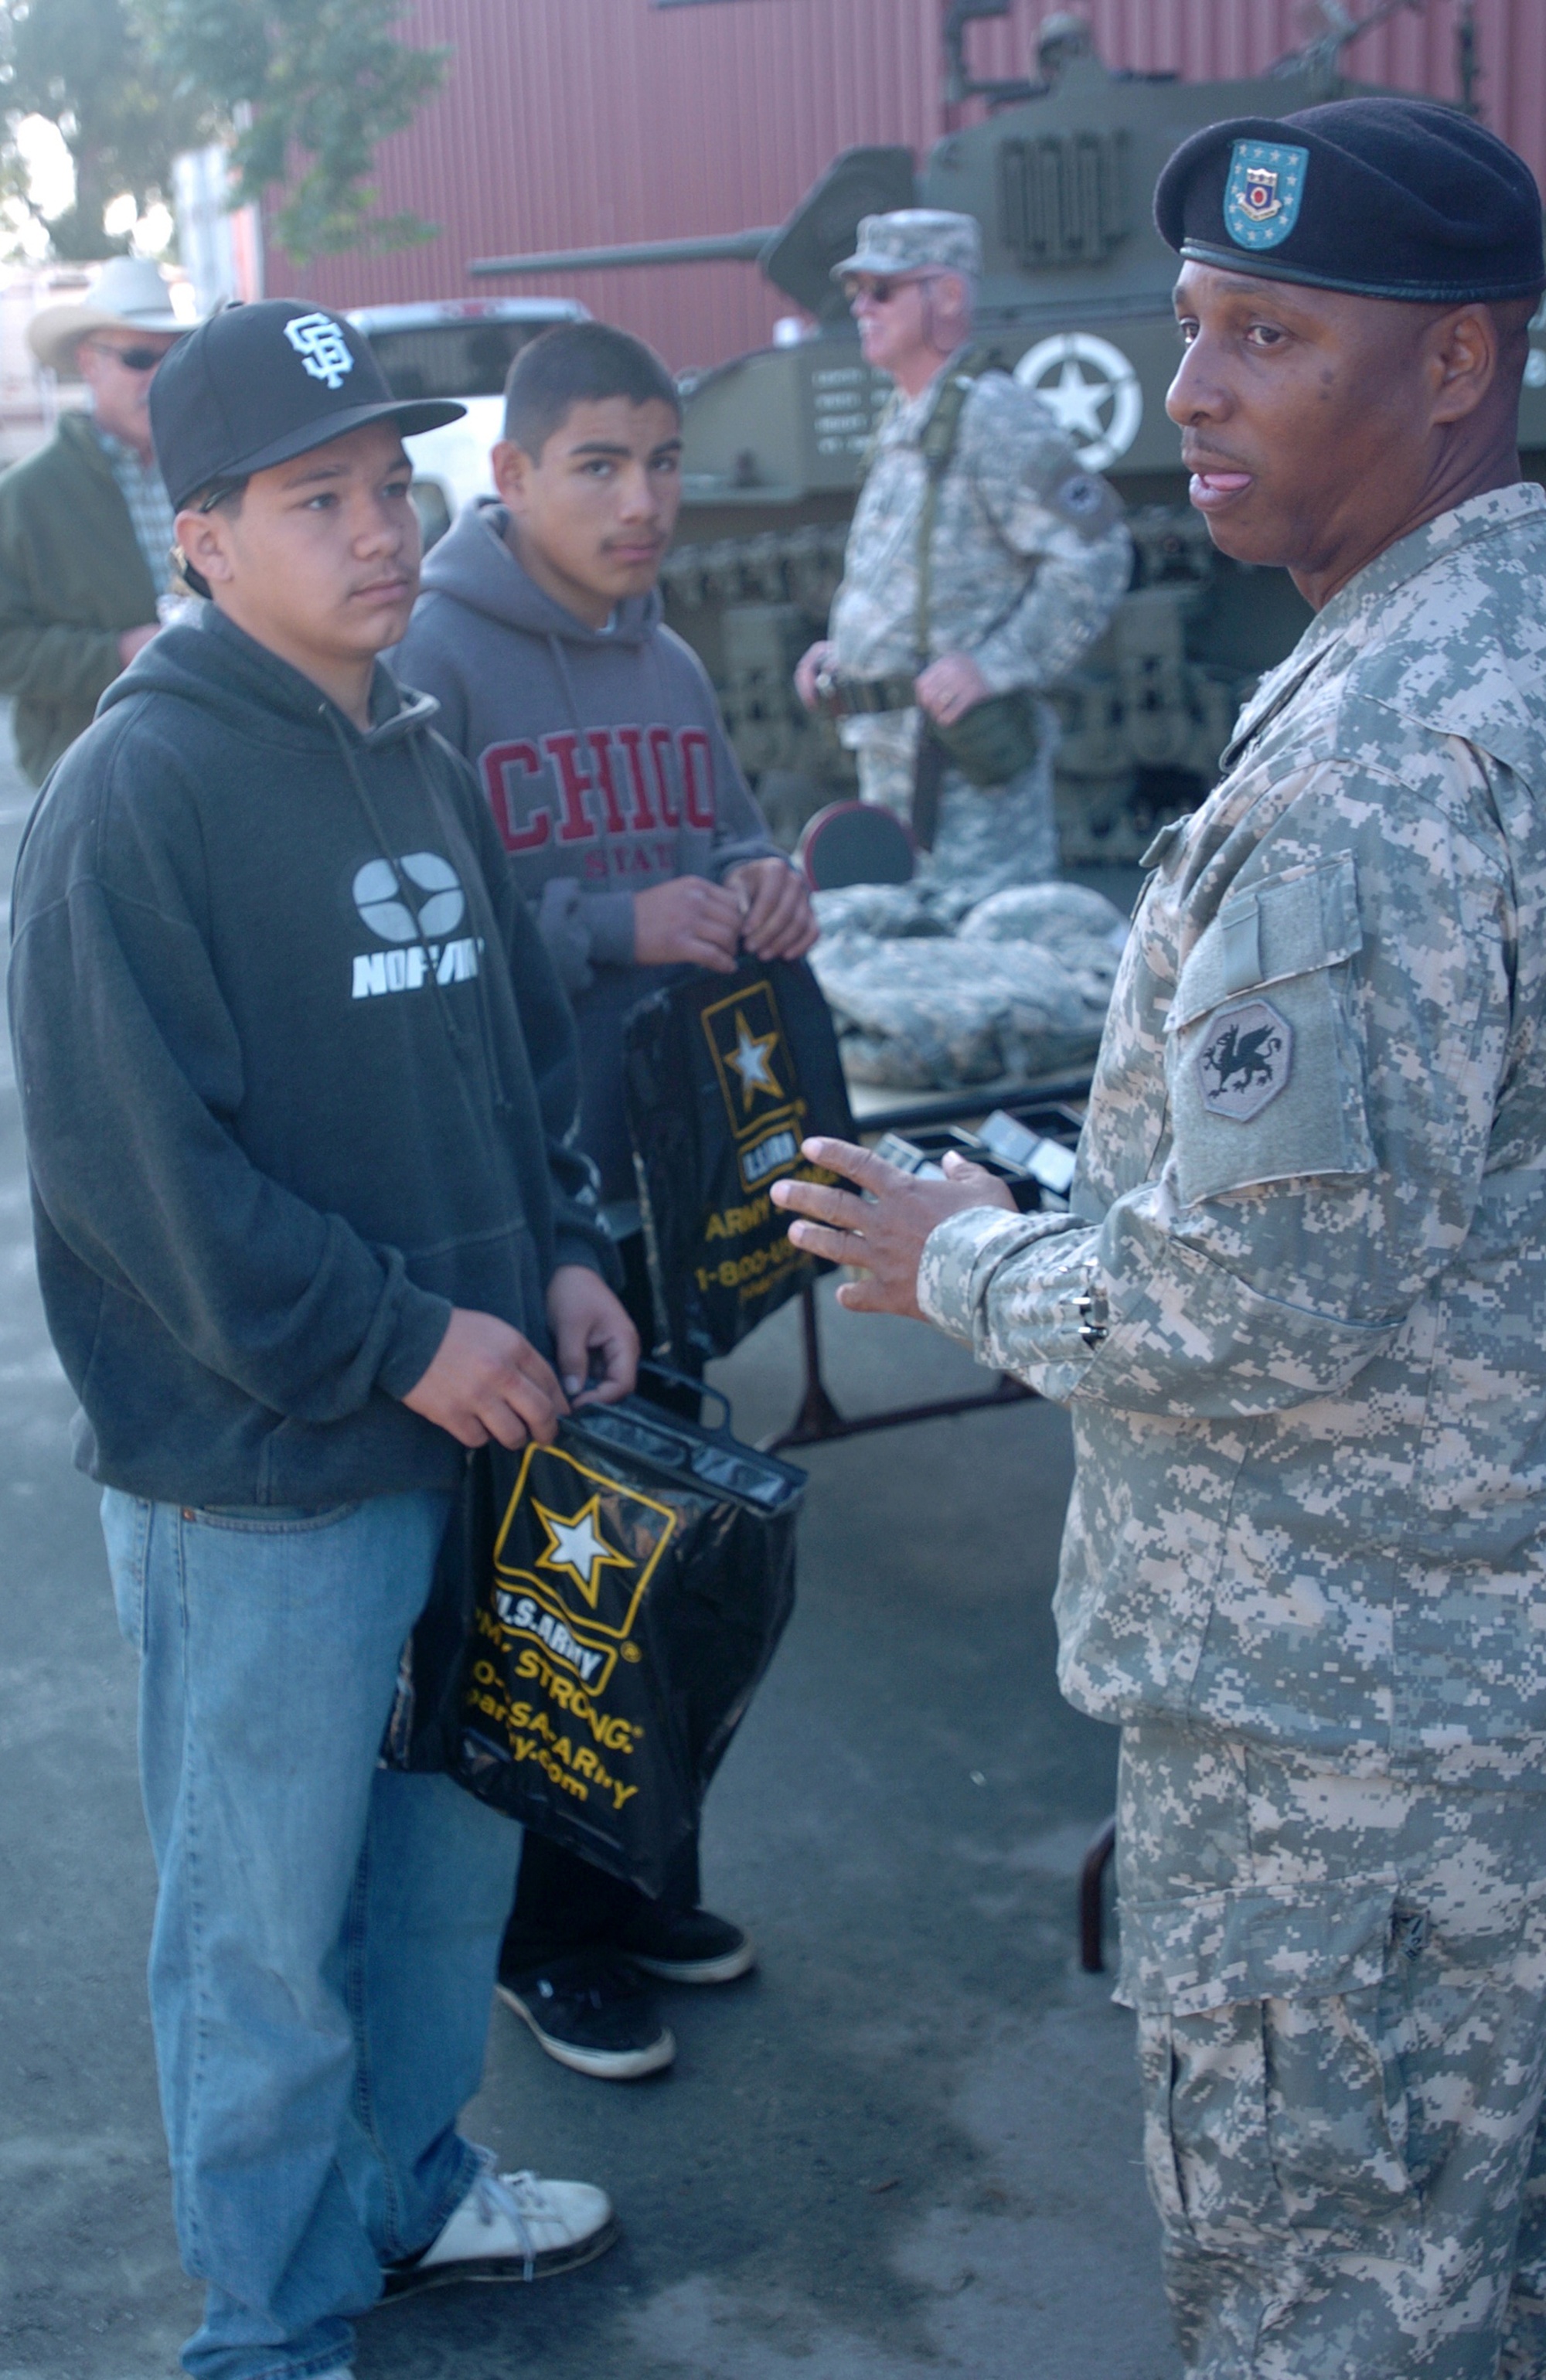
(578, 1546)
(749, 1058)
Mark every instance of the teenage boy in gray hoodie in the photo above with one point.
(631, 831)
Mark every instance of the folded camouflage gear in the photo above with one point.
(1063, 917)
(919, 1008)
(889, 912)
(1060, 916)
(1080, 928)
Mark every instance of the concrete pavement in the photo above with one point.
(907, 2147)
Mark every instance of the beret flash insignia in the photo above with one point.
(1262, 194)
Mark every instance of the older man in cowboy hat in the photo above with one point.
(85, 525)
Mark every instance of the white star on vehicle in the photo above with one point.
(1077, 402)
(750, 1060)
(578, 1546)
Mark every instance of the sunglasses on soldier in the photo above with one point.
(882, 292)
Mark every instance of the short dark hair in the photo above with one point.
(579, 363)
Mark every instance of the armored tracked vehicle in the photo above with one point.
(1076, 298)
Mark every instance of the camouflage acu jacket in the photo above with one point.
(1029, 556)
(1300, 1309)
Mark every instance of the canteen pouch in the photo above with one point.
(724, 1076)
(602, 1613)
(995, 740)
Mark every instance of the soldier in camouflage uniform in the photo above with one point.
(1029, 556)
(1298, 1309)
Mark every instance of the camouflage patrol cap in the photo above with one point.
(911, 241)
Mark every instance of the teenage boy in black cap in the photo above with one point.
(1298, 1306)
(631, 831)
(298, 1084)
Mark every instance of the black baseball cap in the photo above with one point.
(256, 386)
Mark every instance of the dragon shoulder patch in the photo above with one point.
(1246, 1061)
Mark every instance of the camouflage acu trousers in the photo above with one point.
(1341, 1993)
(988, 837)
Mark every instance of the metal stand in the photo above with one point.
(1091, 1877)
(820, 1419)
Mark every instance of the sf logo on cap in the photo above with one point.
(321, 347)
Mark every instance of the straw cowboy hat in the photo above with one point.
(131, 292)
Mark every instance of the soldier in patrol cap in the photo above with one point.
(1299, 1306)
(982, 564)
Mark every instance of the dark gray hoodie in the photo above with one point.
(296, 1074)
(606, 768)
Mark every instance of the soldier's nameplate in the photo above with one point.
(1246, 1061)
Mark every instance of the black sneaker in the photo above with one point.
(687, 1946)
(592, 2011)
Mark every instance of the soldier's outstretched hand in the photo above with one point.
(884, 1231)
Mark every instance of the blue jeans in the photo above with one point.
(326, 1930)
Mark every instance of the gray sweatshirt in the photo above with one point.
(607, 769)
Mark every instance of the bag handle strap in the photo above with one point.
(937, 443)
(677, 1380)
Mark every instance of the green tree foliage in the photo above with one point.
(85, 65)
(309, 89)
(314, 86)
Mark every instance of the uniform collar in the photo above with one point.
(912, 412)
(1353, 610)
(1463, 525)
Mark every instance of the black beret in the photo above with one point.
(1385, 197)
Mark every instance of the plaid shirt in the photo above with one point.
(149, 506)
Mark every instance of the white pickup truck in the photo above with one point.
(460, 347)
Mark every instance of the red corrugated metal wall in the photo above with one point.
(573, 123)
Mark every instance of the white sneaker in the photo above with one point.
(511, 2226)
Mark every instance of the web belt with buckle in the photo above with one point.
(857, 698)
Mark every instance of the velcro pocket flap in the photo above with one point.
(1283, 927)
(1214, 1949)
(1265, 1066)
